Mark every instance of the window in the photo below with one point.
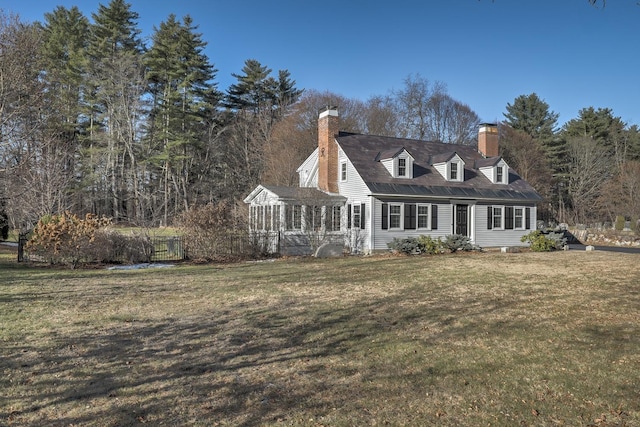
(260, 223)
(343, 171)
(356, 216)
(402, 167)
(395, 216)
(276, 217)
(518, 219)
(508, 218)
(267, 218)
(497, 217)
(293, 218)
(314, 218)
(332, 218)
(499, 173)
(416, 216)
(454, 172)
(423, 216)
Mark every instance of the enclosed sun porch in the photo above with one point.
(297, 220)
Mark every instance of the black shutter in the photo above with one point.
(508, 223)
(409, 216)
(489, 217)
(527, 218)
(434, 217)
(349, 216)
(362, 216)
(385, 216)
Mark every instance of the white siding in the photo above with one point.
(308, 171)
(389, 165)
(497, 238)
(355, 190)
(443, 170)
(382, 237)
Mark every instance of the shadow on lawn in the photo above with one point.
(246, 364)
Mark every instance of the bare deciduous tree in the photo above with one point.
(590, 165)
(620, 194)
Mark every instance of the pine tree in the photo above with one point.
(603, 127)
(115, 85)
(65, 34)
(184, 102)
(531, 115)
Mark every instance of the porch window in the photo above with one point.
(260, 222)
(333, 216)
(267, 218)
(293, 218)
(276, 217)
(314, 218)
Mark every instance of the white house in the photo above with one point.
(365, 190)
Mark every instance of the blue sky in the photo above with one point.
(487, 52)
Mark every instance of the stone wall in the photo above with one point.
(606, 237)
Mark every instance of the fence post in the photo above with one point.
(22, 240)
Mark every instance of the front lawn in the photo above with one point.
(465, 339)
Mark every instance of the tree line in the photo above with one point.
(94, 120)
(588, 170)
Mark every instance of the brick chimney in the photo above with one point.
(328, 127)
(488, 140)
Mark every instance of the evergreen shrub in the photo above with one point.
(539, 242)
(457, 242)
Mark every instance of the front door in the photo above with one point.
(462, 220)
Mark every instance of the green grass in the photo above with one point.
(465, 339)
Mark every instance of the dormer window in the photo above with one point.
(402, 167)
(398, 162)
(495, 169)
(450, 165)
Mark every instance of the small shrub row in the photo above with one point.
(429, 245)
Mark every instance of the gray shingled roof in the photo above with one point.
(303, 193)
(363, 150)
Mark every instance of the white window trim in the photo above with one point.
(493, 218)
(499, 168)
(344, 174)
(522, 217)
(406, 166)
(355, 205)
(401, 214)
(428, 206)
(459, 171)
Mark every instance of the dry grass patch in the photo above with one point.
(467, 339)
